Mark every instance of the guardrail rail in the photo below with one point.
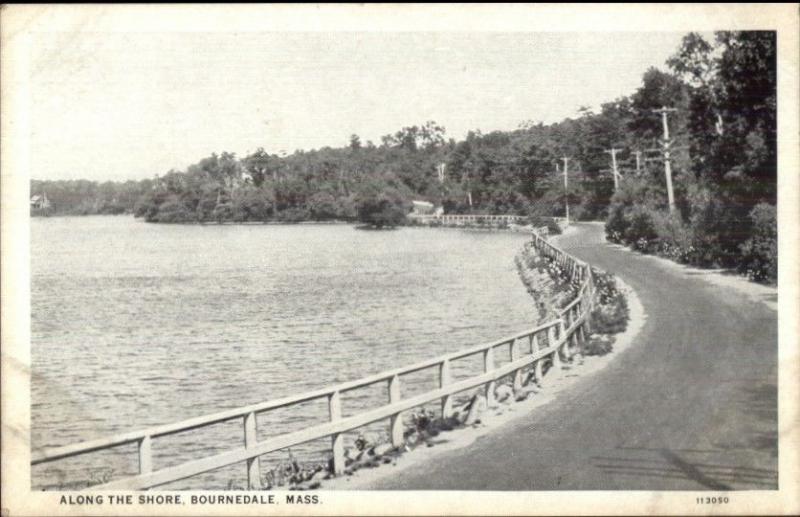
(468, 219)
(529, 351)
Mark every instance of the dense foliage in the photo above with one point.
(723, 157)
(610, 314)
(726, 190)
(83, 197)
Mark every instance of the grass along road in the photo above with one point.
(691, 405)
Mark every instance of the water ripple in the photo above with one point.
(189, 321)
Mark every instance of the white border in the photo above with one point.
(19, 22)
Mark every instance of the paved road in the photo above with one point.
(691, 405)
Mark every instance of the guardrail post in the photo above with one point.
(554, 345)
(337, 440)
(518, 372)
(145, 455)
(589, 301)
(396, 420)
(576, 336)
(538, 376)
(445, 378)
(488, 366)
(250, 440)
(564, 348)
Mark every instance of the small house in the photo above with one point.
(421, 208)
(40, 202)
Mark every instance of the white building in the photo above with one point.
(422, 208)
(40, 202)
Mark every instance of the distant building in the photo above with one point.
(422, 208)
(40, 202)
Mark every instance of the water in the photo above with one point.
(136, 324)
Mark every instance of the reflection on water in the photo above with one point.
(135, 324)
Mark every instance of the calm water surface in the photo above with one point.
(135, 324)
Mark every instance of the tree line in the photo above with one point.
(723, 156)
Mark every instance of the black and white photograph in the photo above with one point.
(273, 257)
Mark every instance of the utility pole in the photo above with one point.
(440, 171)
(613, 152)
(468, 182)
(638, 154)
(667, 167)
(469, 192)
(566, 191)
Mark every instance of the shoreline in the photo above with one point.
(310, 222)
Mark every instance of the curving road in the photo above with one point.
(690, 405)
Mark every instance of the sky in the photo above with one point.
(119, 106)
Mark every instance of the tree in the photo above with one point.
(746, 92)
(733, 109)
(261, 165)
(379, 204)
(251, 203)
(428, 137)
(323, 206)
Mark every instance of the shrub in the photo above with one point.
(707, 222)
(379, 205)
(322, 206)
(582, 212)
(537, 221)
(111, 208)
(347, 208)
(759, 253)
(675, 238)
(553, 227)
(205, 206)
(147, 206)
(173, 211)
(293, 215)
(716, 229)
(223, 212)
(597, 345)
(641, 233)
(251, 204)
(611, 312)
(611, 317)
(617, 224)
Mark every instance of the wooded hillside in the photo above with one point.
(723, 157)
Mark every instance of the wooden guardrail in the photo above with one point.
(545, 345)
(468, 219)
